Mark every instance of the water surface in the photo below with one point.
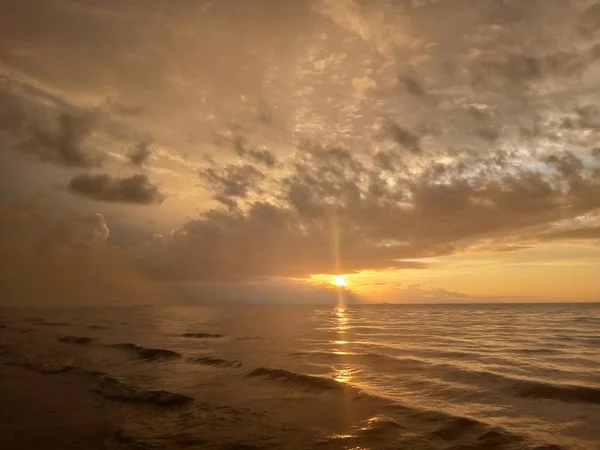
(378, 376)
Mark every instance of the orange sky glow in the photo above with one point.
(425, 151)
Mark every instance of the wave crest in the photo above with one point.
(300, 380)
(114, 389)
(565, 393)
(201, 335)
(74, 339)
(215, 362)
(147, 353)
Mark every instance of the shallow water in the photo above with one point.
(379, 376)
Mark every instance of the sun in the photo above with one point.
(339, 281)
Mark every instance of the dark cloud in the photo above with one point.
(231, 182)
(264, 156)
(12, 116)
(62, 142)
(413, 87)
(327, 201)
(136, 189)
(590, 20)
(403, 137)
(253, 154)
(265, 241)
(141, 152)
(520, 71)
(49, 259)
(47, 128)
(264, 113)
(477, 80)
(243, 148)
(270, 291)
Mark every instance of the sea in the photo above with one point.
(388, 376)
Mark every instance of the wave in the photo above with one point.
(45, 367)
(147, 352)
(117, 440)
(526, 388)
(324, 354)
(564, 337)
(456, 427)
(565, 393)
(415, 362)
(49, 324)
(516, 386)
(371, 357)
(251, 338)
(535, 351)
(438, 430)
(115, 389)
(520, 387)
(215, 362)
(97, 327)
(201, 335)
(74, 339)
(300, 380)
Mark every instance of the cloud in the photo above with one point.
(141, 153)
(231, 182)
(413, 87)
(49, 259)
(583, 233)
(403, 137)
(482, 138)
(268, 291)
(61, 143)
(417, 294)
(47, 128)
(243, 148)
(326, 201)
(590, 20)
(123, 109)
(136, 189)
(256, 155)
(266, 241)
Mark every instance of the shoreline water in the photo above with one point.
(52, 411)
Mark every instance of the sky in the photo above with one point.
(251, 150)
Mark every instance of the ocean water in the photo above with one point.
(354, 377)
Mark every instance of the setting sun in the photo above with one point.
(339, 281)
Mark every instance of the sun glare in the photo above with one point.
(339, 281)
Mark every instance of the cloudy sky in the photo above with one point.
(430, 150)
